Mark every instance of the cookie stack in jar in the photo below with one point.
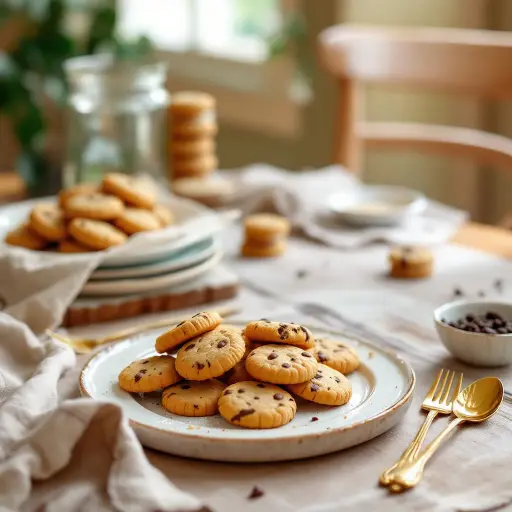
(193, 127)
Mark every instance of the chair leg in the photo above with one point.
(347, 149)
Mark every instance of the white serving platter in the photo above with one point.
(193, 223)
(117, 287)
(382, 391)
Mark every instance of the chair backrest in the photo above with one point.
(475, 62)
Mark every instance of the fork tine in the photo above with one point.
(439, 392)
(432, 390)
(458, 388)
(444, 398)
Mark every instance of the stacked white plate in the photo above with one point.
(148, 261)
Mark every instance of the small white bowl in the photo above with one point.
(478, 349)
(379, 205)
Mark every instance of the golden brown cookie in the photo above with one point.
(193, 398)
(259, 250)
(47, 220)
(68, 245)
(194, 167)
(131, 189)
(192, 146)
(336, 354)
(163, 214)
(77, 190)
(96, 234)
(24, 236)
(186, 330)
(238, 373)
(266, 227)
(206, 190)
(191, 103)
(95, 206)
(327, 387)
(257, 405)
(210, 355)
(136, 220)
(149, 374)
(411, 262)
(281, 364)
(278, 332)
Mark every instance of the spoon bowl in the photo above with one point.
(480, 400)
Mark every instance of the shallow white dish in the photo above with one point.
(478, 349)
(378, 205)
(11, 216)
(146, 284)
(177, 260)
(382, 392)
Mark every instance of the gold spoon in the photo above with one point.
(476, 403)
(86, 345)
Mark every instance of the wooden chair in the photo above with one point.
(473, 62)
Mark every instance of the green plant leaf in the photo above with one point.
(102, 28)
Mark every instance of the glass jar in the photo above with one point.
(116, 118)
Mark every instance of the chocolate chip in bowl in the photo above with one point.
(477, 332)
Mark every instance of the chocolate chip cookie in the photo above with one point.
(149, 374)
(210, 355)
(186, 330)
(94, 206)
(327, 387)
(411, 262)
(47, 220)
(281, 364)
(257, 405)
(336, 354)
(277, 332)
(193, 398)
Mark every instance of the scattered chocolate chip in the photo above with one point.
(180, 324)
(490, 323)
(170, 394)
(481, 294)
(137, 377)
(286, 365)
(199, 366)
(256, 398)
(280, 405)
(278, 396)
(196, 406)
(498, 284)
(283, 332)
(306, 354)
(337, 380)
(222, 343)
(241, 390)
(265, 320)
(146, 361)
(293, 360)
(315, 387)
(255, 493)
(458, 292)
(241, 414)
(301, 274)
(290, 399)
(160, 373)
(190, 347)
(227, 392)
(305, 331)
(260, 385)
(185, 386)
(318, 376)
(272, 355)
(208, 363)
(143, 371)
(314, 418)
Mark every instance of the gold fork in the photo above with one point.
(437, 401)
(86, 345)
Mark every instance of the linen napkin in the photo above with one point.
(302, 198)
(84, 450)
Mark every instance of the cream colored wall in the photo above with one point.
(452, 182)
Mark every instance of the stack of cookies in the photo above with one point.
(192, 130)
(265, 235)
(248, 376)
(92, 217)
(411, 262)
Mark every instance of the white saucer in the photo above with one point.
(177, 260)
(145, 284)
(382, 390)
(378, 205)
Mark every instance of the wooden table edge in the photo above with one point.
(491, 239)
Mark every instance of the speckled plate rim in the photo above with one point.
(241, 448)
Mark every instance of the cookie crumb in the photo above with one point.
(190, 427)
(458, 292)
(256, 493)
(301, 274)
(345, 417)
(314, 418)
(498, 284)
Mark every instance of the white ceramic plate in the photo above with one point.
(382, 392)
(376, 205)
(146, 284)
(11, 216)
(177, 260)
